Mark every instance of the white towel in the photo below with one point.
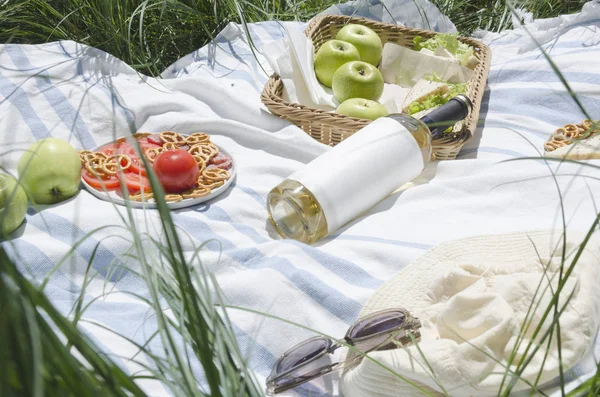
(86, 96)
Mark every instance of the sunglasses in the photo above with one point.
(383, 330)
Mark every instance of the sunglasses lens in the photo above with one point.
(376, 324)
(302, 353)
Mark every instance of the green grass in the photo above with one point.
(152, 34)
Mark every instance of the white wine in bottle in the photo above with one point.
(353, 176)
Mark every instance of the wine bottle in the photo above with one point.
(353, 176)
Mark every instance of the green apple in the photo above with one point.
(357, 80)
(365, 40)
(362, 109)
(50, 171)
(13, 204)
(332, 55)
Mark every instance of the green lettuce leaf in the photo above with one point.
(449, 41)
(463, 53)
(446, 40)
(437, 99)
(417, 42)
(430, 102)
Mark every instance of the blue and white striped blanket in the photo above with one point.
(83, 95)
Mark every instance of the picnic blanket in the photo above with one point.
(83, 95)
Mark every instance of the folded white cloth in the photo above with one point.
(404, 67)
(293, 59)
(473, 297)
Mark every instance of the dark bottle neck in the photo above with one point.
(444, 117)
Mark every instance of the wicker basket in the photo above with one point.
(332, 128)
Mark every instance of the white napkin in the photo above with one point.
(393, 97)
(404, 67)
(303, 51)
(292, 59)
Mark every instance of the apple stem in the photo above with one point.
(362, 72)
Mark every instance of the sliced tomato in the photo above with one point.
(136, 183)
(110, 148)
(107, 183)
(155, 139)
(136, 164)
(147, 140)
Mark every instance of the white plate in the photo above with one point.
(115, 198)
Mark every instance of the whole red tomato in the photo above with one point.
(177, 170)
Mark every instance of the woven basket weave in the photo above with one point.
(332, 128)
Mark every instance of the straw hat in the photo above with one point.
(472, 297)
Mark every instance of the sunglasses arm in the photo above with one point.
(275, 389)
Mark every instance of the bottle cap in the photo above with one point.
(444, 117)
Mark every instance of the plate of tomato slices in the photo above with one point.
(190, 168)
